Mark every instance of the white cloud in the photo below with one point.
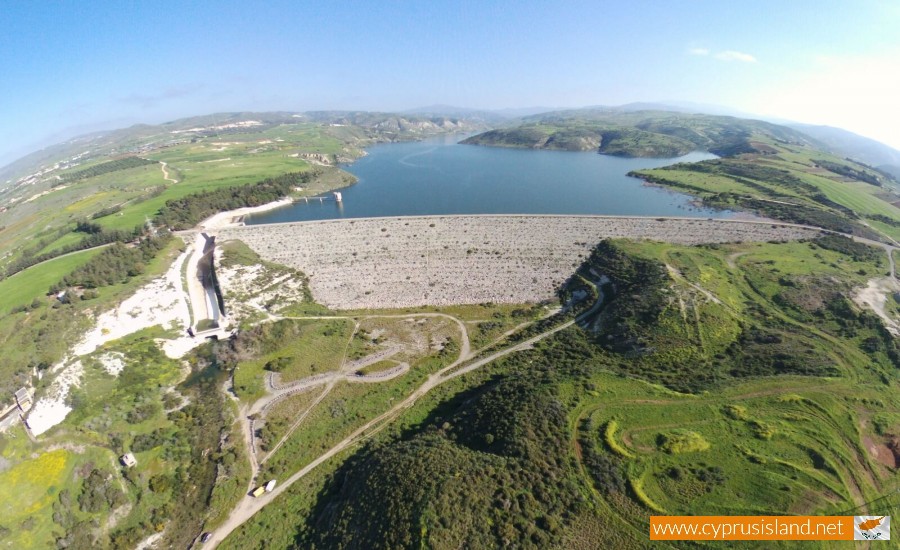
(724, 55)
(732, 55)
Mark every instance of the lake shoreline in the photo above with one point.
(235, 218)
(441, 177)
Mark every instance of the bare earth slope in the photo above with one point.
(443, 260)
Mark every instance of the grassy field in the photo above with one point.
(783, 433)
(338, 412)
(27, 492)
(22, 288)
(316, 346)
(91, 437)
(174, 425)
(756, 386)
(787, 182)
(344, 408)
(277, 525)
(380, 366)
(230, 159)
(41, 337)
(154, 408)
(784, 444)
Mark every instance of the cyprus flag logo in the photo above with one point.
(872, 528)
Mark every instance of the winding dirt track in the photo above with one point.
(166, 172)
(249, 505)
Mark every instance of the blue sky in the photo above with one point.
(71, 67)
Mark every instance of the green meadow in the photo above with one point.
(22, 288)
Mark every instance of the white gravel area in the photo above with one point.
(444, 260)
(113, 362)
(159, 302)
(875, 295)
(254, 288)
(52, 409)
(235, 217)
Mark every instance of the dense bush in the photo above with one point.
(31, 256)
(114, 265)
(849, 172)
(636, 298)
(104, 168)
(278, 364)
(99, 492)
(858, 251)
(143, 411)
(186, 212)
(494, 473)
(145, 442)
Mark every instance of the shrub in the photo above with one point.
(681, 441)
(609, 435)
(99, 492)
(278, 364)
(735, 412)
(762, 430)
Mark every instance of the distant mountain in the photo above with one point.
(516, 112)
(491, 116)
(639, 133)
(697, 108)
(487, 116)
(855, 146)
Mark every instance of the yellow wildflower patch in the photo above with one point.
(25, 488)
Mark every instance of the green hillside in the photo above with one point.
(112, 187)
(718, 379)
(638, 133)
(771, 170)
(124, 178)
(792, 183)
(731, 379)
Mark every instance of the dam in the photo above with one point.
(371, 263)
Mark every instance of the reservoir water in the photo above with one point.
(439, 176)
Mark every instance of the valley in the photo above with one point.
(409, 380)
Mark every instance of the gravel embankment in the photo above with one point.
(443, 260)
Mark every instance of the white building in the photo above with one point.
(128, 460)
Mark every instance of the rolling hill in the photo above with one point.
(737, 378)
(620, 132)
(732, 379)
(855, 146)
(769, 169)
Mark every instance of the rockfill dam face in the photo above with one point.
(374, 263)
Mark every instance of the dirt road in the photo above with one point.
(165, 172)
(249, 505)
